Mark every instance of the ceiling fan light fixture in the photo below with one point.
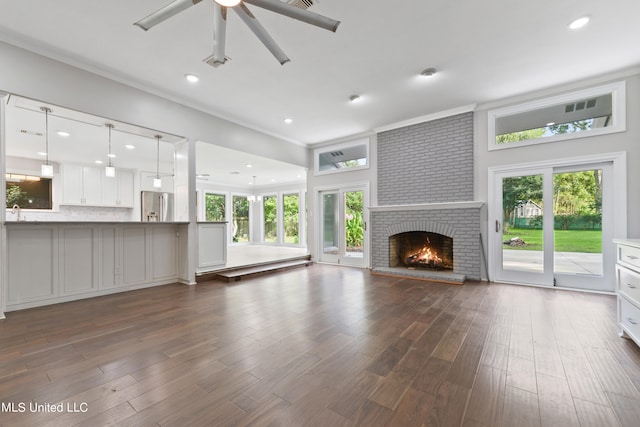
(227, 3)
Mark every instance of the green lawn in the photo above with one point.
(586, 241)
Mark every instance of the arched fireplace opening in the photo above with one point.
(421, 250)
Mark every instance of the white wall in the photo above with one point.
(34, 76)
(628, 141)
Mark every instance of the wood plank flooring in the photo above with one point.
(322, 346)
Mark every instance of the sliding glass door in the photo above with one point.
(554, 226)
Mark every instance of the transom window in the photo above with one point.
(344, 157)
(588, 112)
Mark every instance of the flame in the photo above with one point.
(425, 256)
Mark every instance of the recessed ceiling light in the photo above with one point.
(288, 120)
(428, 72)
(249, 165)
(63, 133)
(192, 78)
(234, 173)
(98, 162)
(42, 153)
(111, 155)
(354, 98)
(550, 124)
(129, 147)
(579, 23)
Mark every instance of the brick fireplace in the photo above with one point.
(425, 187)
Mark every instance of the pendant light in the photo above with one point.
(109, 170)
(46, 169)
(157, 182)
(253, 197)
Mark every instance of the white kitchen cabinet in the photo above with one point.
(81, 185)
(56, 262)
(117, 191)
(212, 245)
(628, 287)
(32, 264)
(89, 186)
(125, 188)
(77, 260)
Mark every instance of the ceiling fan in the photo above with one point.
(220, 22)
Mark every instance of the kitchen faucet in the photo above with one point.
(16, 210)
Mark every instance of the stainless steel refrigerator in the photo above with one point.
(156, 206)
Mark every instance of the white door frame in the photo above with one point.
(3, 230)
(354, 186)
(619, 161)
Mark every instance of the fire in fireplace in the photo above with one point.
(421, 249)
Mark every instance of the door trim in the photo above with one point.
(619, 160)
(317, 212)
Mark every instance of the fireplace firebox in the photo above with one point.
(421, 250)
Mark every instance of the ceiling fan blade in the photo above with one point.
(165, 13)
(219, 35)
(296, 13)
(245, 14)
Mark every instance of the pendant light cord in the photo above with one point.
(46, 110)
(110, 126)
(158, 157)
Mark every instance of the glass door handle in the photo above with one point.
(497, 225)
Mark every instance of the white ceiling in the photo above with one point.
(483, 51)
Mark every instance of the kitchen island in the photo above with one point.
(53, 262)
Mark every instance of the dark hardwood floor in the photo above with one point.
(322, 346)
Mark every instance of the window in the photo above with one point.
(28, 192)
(270, 210)
(594, 111)
(291, 218)
(344, 157)
(215, 206)
(240, 219)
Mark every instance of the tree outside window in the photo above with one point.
(215, 207)
(240, 219)
(291, 210)
(270, 209)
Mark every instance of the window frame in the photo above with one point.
(52, 195)
(226, 203)
(617, 91)
(321, 150)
